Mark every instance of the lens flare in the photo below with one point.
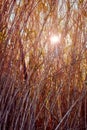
(55, 39)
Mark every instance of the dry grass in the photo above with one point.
(39, 88)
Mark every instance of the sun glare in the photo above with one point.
(55, 39)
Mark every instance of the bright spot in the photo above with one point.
(55, 39)
(18, 2)
(12, 16)
(86, 45)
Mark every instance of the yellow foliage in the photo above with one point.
(81, 1)
(2, 36)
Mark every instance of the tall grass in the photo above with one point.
(39, 88)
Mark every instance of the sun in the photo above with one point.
(55, 39)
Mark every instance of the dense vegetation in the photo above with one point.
(43, 85)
